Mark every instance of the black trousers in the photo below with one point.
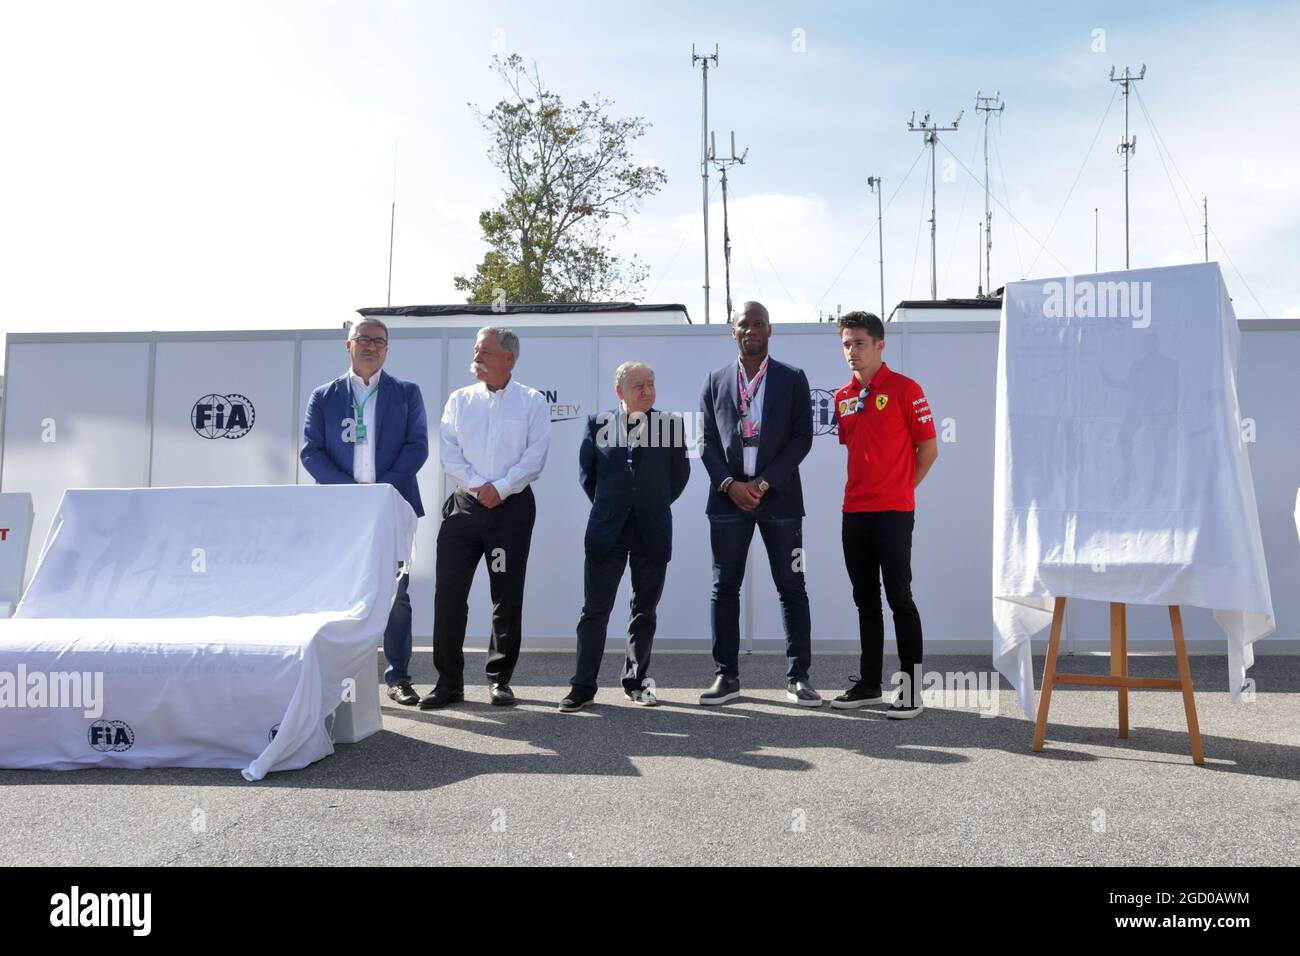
(878, 544)
(499, 537)
(601, 575)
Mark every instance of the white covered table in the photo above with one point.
(225, 624)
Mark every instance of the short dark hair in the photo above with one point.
(863, 320)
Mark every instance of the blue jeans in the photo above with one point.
(730, 536)
(397, 637)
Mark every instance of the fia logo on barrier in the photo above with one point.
(222, 416)
(823, 411)
(110, 735)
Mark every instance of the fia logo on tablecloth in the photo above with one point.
(110, 735)
(222, 416)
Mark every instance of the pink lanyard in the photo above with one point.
(747, 393)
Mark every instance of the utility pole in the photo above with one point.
(931, 133)
(723, 165)
(979, 266)
(1128, 146)
(703, 60)
(1205, 219)
(392, 225)
(874, 183)
(988, 105)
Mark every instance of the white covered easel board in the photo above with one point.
(1120, 473)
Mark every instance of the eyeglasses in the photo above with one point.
(365, 340)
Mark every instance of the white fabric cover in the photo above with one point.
(216, 616)
(1120, 473)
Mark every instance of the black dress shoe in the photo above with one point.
(441, 697)
(403, 693)
(502, 695)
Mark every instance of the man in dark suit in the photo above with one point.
(757, 417)
(366, 427)
(632, 465)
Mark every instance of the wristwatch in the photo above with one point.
(764, 484)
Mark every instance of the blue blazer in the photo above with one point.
(403, 436)
(784, 440)
(657, 477)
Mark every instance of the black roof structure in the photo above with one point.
(546, 308)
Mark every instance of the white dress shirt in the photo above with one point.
(363, 453)
(498, 438)
(750, 453)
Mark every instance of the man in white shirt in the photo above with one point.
(367, 427)
(494, 438)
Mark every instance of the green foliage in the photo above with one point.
(570, 177)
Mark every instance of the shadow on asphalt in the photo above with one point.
(758, 732)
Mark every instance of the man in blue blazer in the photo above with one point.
(632, 466)
(366, 427)
(757, 425)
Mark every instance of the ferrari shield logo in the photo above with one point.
(881, 402)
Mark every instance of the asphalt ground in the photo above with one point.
(755, 782)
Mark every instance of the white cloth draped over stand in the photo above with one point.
(1120, 473)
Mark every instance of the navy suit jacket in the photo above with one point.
(403, 436)
(657, 477)
(784, 439)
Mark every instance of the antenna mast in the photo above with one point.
(874, 183)
(723, 164)
(1128, 146)
(392, 225)
(704, 59)
(988, 105)
(1205, 218)
(931, 133)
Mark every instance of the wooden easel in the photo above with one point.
(1119, 676)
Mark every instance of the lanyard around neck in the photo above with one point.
(747, 392)
(361, 409)
(623, 424)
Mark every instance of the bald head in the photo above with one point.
(751, 331)
(757, 309)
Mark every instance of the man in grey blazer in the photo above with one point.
(757, 416)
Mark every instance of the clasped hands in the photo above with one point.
(746, 495)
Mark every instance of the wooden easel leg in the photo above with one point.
(1119, 659)
(1049, 675)
(1185, 678)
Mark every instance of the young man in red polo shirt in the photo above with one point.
(886, 422)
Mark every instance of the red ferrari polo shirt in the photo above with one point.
(882, 425)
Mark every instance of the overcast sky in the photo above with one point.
(188, 165)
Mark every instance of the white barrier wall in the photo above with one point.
(123, 410)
